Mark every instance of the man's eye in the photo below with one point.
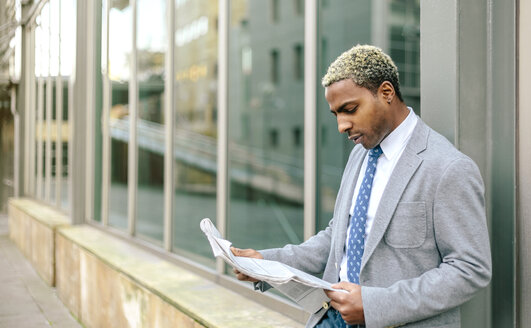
(352, 110)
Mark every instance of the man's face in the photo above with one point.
(366, 118)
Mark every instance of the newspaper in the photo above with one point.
(295, 284)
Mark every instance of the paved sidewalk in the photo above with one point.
(25, 299)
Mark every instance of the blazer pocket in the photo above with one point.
(407, 228)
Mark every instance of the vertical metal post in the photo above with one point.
(27, 70)
(33, 113)
(40, 135)
(48, 136)
(379, 24)
(90, 49)
(17, 143)
(106, 143)
(310, 117)
(59, 119)
(169, 123)
(223, 121)
(77, 149)
(132, 177)
(49, 114)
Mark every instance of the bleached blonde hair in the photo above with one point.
(367, 66)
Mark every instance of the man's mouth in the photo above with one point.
(354, 138)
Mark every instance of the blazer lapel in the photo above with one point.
(343, 209)
(402, 173)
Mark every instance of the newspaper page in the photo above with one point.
(294, 283)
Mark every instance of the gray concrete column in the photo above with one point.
(523, 200)
(468, 95)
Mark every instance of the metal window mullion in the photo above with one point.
(59, 140)
(310, 118)
(40, 136)
(70, 142)
(33, 114)
(133, 147)
(90, 119)
(27, 109)
(48, 154)
(59, 119)
(223, 170)
(106, 146)
(169, 124)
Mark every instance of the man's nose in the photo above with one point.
(343, 125)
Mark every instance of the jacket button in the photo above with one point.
(325, 305)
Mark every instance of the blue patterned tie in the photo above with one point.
(356, 242)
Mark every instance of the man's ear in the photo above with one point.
(386, 91)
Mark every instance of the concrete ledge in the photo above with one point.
(32, 227)
(107, 282)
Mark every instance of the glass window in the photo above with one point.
(151, 47)
(266, 166)
(52, 94)
(299, 7)
(404, 48)
(67, 52)
(42, 43)
(275, 66)
(195, 130)
(120, 41)
(344, 24)
(275, 10)
(298, 62)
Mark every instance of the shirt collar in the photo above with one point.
(397, 139)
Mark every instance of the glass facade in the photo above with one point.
(395, 28)
(48, 102)
(195, 134)
(151, 43)
(142, 58)
(266, 111)
(119, 70)
(266, 114)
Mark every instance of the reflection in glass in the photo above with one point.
(266, 115)
(396, 31)
(151, 46)
(120, 40)
(195, 132)
(67, 45)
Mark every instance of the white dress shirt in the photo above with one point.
(392, 146)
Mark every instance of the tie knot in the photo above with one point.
(376, 151)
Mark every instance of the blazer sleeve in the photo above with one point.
(463, 243)
(310, 256)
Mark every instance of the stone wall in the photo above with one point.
(108, 282)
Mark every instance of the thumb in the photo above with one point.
(241, 252)
(236, 251)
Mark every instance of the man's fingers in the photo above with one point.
(246, 252)
(348, 286)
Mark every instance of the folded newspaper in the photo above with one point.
(295, 284)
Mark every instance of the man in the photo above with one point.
(408, 240)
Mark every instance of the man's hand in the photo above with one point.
(245, 253)
(348, 304)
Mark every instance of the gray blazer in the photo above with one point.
(428, 251)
